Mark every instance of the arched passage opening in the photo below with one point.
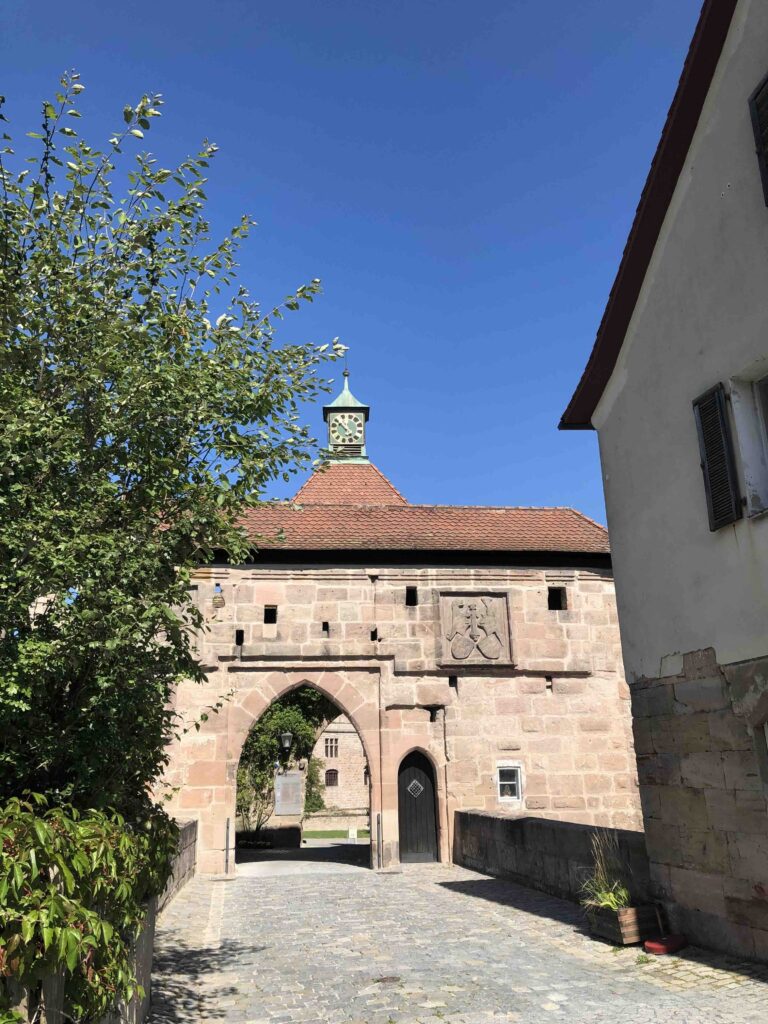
(417, 809)
(303, 787)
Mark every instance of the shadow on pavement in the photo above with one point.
(190, 984)
(311, 852)
(531, 901)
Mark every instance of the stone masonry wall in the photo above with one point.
(703, 770)
(543, 690)
(553, 856)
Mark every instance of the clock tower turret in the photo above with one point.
(346, 418)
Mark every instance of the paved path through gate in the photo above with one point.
(432, 944)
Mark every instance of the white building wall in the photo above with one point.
(702, 318)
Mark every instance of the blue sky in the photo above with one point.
(461, 176)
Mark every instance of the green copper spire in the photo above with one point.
(345, 400)
(346, 418)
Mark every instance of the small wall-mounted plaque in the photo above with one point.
(474, 629)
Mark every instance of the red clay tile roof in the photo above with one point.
(313, 522)
(349, 483)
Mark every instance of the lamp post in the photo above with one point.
(286, 739)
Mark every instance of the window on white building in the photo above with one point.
(509, 780)
(749, 407)
(332, 777)
(331, 746)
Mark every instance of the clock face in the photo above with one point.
(347, 428)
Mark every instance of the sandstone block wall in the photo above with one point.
(547, 694)
(553, 856)
(703, 770)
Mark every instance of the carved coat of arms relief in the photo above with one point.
(474, 628)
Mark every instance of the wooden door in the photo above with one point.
(416, 807)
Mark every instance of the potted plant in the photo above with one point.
(607, 898)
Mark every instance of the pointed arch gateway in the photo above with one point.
(302, 744)
(254, 690)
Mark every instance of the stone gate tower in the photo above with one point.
(474, 649)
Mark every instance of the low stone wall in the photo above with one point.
(326, 820)
(553, 856)
(183, 864)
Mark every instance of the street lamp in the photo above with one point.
(286, 738)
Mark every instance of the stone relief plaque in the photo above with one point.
(474, 629)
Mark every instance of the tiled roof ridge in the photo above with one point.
(471, 508)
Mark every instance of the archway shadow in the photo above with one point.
(317, 852)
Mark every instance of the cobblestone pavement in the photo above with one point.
(435, 943)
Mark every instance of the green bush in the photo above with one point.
(73, 892)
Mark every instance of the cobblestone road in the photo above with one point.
(433, 944)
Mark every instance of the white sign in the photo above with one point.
(288, 795)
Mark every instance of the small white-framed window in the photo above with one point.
(509, 782)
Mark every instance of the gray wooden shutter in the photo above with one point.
(717, 462)
(758, 108)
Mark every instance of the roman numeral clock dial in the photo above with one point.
(347, 428)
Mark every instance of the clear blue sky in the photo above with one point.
(461, 175)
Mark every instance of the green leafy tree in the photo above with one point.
(304, 713)
(313, 796)
(144, 406)
(135, 428)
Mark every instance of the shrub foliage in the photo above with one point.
(144, 403)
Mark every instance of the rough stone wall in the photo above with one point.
(553, 856)
(547, 695)
(352, 790)
(703, 769)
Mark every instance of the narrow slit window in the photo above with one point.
(411, 597)
(270, 614)
(453, 682)
(326, 630)
(557, 600)
(374, 634)
(239, 637)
